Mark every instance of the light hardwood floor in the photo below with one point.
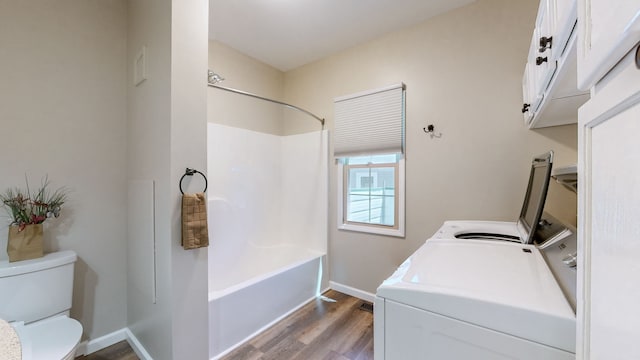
(320, 330)
(118, 351)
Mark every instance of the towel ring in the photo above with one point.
(190, 172)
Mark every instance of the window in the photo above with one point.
(369, 146)
(371, 194)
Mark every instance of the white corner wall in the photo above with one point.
(246, 186)
(63, 114)
(189, 48)
(166, 134)
(266, 190)
(148, 143)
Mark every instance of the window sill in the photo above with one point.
(372, 230)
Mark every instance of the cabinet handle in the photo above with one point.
(525, 108)
(540, 60)
(546, 43)
(638, 57)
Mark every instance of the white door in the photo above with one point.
(608, 29)
(609, 218)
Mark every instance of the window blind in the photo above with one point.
(370, 122)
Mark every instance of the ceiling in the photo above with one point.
(289, 33)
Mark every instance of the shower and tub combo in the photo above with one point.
(267, 209)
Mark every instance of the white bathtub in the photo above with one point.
(269, 284)
(267, 222)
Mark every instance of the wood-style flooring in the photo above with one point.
(117, 351)
(320, 330)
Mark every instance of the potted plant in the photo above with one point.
(27, 211)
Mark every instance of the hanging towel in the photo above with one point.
(194, 221)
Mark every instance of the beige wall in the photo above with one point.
(69, 110)
(463, 74)
(250, 75)
(63, 114)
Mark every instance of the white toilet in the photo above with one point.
(35, 299)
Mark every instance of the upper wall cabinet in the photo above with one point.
(608, 30)
(549, 84)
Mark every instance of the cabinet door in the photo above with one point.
(607, 31)
(609, 213)
(541, 53)
(565, 20)
(528, 100)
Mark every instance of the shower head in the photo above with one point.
(214, 78)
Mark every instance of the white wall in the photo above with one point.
(245, 177)
(189, 47)
(265, 191)
(166, 134)
(148, 142)
(463, 73)
(63, 114)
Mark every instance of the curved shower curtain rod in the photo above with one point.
(214, 78)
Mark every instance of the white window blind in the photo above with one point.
(370, 122)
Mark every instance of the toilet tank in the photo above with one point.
(32, 290)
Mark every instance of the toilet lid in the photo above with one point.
(50, 339)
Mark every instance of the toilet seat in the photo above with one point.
(56, 338)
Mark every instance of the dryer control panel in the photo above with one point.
(558, 243)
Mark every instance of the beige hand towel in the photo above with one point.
(194, 221)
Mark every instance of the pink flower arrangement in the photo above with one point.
(26, 208)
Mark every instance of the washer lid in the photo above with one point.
(498, 285)
(50, 339)
(453, 229)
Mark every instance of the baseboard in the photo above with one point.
(360, 294)
(91, 346)
(137, 346)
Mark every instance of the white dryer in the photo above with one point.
(457, 299)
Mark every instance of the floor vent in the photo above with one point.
(366, 306)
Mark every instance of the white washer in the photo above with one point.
(457, 299)
(462, 295)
